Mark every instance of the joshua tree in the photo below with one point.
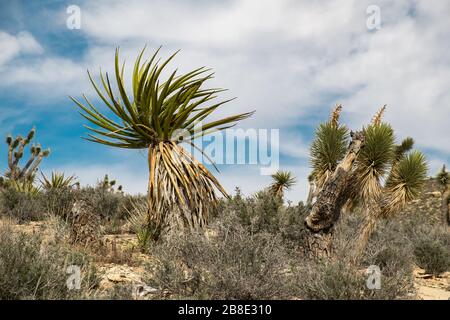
(282, 181)
(159, 116)
(17, 175)
(108, 185)
(443, 177)
(327, 150)
(371, 157)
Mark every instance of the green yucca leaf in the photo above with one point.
(375, 159)
(406, 179)
(156, 108)
(328, 149)
(443, 176)
(401, 149)
(24, 186)
(57, 181)
(282, 181)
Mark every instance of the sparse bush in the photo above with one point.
(231, 263)
(432, 255)
(140, 224)
(20, 205)
(107, 205)
(59, 202)
(31, 271)
(261, 212)
(339, 280)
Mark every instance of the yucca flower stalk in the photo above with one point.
(282, 181)
(179, 187)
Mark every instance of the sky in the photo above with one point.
(289, 60)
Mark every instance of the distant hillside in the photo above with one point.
(429, 201)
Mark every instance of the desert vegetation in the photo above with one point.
(181, 240)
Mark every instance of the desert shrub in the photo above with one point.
(430, 243)
(431, 256)
(121, 291)
(59, 202)
(140, 225)
(261, 212)
(292, 227)
(229, 263)
(329, 280)
(32, 271)
(339, 280)
(20, 205)
(107, 205)
(110, 252)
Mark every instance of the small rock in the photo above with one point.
(143, 290)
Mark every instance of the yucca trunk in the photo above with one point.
(445, 206)
(311, 194)
(333, 195)
(181, 191)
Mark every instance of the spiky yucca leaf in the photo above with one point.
(328, 147)
(443, 177)
(401, 149)
(24, 186)
(157, 109)
(375, 159)
(406, 180)
(57, 181)
(282, 181)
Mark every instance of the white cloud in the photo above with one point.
(12, 46)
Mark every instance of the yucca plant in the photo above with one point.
(108, 185)
(328, 148)
(58, 181)
(26, 174)
(443, 177)
(26, 187)
(382, 178)
(388, 176)
(282, 181)
(180, 188)
(375, 159)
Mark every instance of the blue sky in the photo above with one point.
(291, 61)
